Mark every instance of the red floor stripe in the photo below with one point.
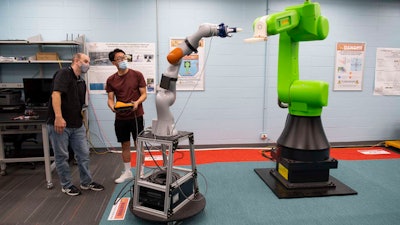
(182, 157)
(356, 153)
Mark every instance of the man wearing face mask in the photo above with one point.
(126, 86)
(65, 125)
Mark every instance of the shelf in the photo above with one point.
(13, 42)
(19, 61)
(39, 42)
(49, 61)
(53, 43)
(17, 55)
(36, 61)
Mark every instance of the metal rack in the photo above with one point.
(166, 201)
(24, 54)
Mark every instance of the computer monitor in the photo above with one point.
(37, 91)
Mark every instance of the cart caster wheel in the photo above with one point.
(3, 173)
(50, 185)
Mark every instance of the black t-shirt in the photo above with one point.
(73, 91)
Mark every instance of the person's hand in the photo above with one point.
(112, 108)
(59, 125)
(135, 105)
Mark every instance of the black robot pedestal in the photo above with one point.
(303, 162)
(192, 208)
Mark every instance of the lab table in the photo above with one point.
(26, 125)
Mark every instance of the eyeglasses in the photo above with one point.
(121, 58)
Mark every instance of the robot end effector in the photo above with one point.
(260, 30)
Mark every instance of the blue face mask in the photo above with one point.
(123, 65)
(84, 68)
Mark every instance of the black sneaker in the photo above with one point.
(93, 186)
(72, 191)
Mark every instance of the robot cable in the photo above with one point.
(195, 85)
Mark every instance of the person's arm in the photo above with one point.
(141, 99)
(110, 101)
(59, 122)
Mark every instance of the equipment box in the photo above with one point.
(155, 199)
(10, 97)
(46, 56)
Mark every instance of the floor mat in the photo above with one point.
(236, 195)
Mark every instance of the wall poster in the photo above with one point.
(141, 57)
(191, 71)
(387, 71)
(349, 66)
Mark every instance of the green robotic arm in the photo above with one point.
(297, 23)
(302, 151)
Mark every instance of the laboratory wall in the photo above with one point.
(239, 101)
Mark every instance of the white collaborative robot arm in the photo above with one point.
(166, 93)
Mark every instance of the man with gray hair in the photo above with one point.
(65, 125)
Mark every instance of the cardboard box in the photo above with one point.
(46, 56)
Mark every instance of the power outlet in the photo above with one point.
(263, 136)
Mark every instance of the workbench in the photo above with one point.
(25, 125)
